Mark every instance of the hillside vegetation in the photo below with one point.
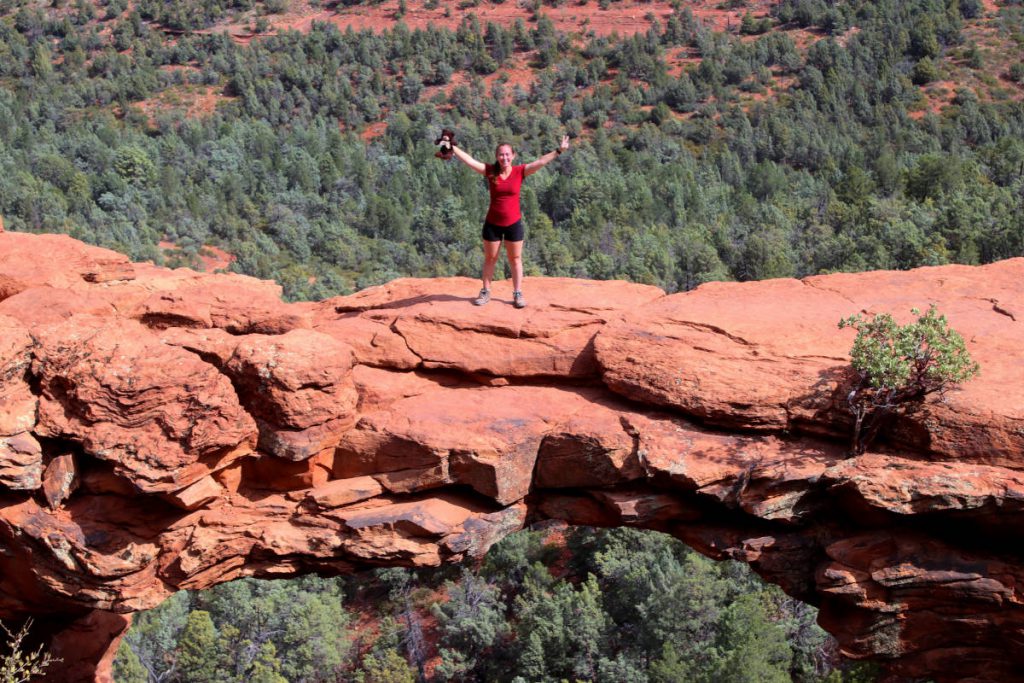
(698, 155)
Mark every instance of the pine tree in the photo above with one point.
(127, 667)
(531, 662)
(586, 623)
(387, 667)
(266, 668)
(197, 651)
(670, 667)
(315, 641)
(754, 649)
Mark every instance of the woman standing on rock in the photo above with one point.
(504, 217)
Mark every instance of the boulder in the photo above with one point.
(299, 387)
(113, 388)
(60, 479)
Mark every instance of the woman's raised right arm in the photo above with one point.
(478, 166)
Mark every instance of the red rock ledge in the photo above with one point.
(166, 429)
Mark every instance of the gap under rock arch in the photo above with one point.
(545, 603)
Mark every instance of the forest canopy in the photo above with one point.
(606, 606)
(758, 158)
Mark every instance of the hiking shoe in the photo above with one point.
(517, 300)
(485, 296)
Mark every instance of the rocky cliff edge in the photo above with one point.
(166, 429)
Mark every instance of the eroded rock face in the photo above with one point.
(163, 415)
(162, 430)
(21, 462)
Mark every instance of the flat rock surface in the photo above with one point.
(439, 325)
(69, 263)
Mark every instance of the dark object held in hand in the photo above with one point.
(445, 142)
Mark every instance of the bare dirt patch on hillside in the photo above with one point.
(210, 259)
(193, 101)
(992, 37)
(625, 18)
(373, 130)
(679, 59)
(574, 17)
(937, 96)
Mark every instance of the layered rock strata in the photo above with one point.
(163, 430)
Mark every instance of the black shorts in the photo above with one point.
(510, 233)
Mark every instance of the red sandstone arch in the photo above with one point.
(162, 430)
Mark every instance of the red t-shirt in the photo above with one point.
(505, 209)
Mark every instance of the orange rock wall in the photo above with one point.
(162, 430)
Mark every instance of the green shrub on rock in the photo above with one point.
(899, 365)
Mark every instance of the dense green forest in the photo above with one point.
(620, 606)
(673, 180)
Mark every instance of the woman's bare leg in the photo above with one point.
(491, 251)
(514, 250)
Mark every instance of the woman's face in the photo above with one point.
(505, 156)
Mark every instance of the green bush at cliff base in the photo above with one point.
(899, 365)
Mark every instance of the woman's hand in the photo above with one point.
(540, 163)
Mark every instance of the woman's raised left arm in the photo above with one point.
(543, 161)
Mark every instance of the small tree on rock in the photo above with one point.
(899, 365)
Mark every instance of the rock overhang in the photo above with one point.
(169, 429)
